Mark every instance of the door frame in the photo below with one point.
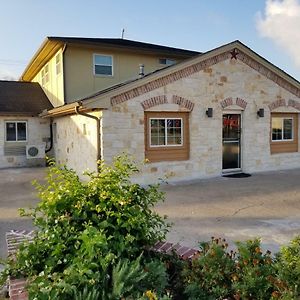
(234, 170)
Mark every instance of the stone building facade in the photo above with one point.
(228, 110)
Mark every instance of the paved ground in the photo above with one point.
(266, 205)
(16, 191)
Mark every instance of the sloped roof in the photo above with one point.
(53, 43)
(129, 89)
(189, 66)
(22, 98)
(122, 43)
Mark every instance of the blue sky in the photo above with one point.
(192, 24)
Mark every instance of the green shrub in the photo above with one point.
(253, 271)
(89, 232)
(287, 264)
(209, 275)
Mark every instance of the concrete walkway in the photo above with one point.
(265, 205)
(16, 191)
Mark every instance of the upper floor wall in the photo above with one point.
(51, 79)
(88, 70)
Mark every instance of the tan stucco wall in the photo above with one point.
(54, 89)
(123, 124)
(38, 133)
(75, 142)
(80, 78)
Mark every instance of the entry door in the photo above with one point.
(231, 141)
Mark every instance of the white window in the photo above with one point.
(58, 64)
(282, 129)
(103, 65)
(45, 75)
(16, 131)
(166, 132)
(167, 61)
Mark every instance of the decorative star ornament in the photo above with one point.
(234, 54)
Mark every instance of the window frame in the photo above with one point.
(284, 145)
(45, 75)
(282, 129)
(166, 132)
(167, 61)
(165, 152)
(94, 65)
(58, 64)
(16, 122)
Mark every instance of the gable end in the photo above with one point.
(187, 71)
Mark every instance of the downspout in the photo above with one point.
(98, 120)
(51, 137)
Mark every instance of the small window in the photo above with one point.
(165, 132)
(58, 64)
(103, 65)
(284, 133)
(282, 129)
(16, 131)
(166, 136)
(45, 75)
(167, 61)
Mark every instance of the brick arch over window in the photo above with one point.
(158, 100)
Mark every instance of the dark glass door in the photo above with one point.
(231, 141)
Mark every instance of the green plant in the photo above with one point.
(209, 275)
(86, 230)
(253, 271)
(287, 265)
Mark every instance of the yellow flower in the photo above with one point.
(151, 295)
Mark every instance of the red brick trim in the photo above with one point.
(168, 248)
(183, 73)
(185, 103)
(282, 103)
(160, 82)
(268, 73)
(236, 101)
(154, 101)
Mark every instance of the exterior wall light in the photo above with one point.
(209, 112)
(261, 113)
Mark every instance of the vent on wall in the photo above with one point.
(167, 61)
(35, 151)
(13, 150)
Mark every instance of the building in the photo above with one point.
(190, 115)
(226, 110)
(20, 124)
(72, 68)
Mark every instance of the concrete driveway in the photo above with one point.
(265, 205)
(16, 191)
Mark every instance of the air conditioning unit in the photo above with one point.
(35, 151)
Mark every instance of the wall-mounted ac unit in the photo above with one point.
(35, 151)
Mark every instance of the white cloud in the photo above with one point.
(8, 74)
(281, 23)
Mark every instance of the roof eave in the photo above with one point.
(37, 61)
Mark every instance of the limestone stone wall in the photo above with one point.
(38, 133)
(75, 143)
(229, 85)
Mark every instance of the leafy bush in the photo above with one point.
(287, 265)
(253, 271)
(247, 273)
(89, 234)
(209, 275)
